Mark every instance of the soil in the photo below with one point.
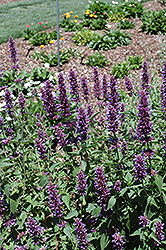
(150, 47)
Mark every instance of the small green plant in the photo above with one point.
(52, 58)
(135, 62)
(121, 70)
(97, 59)
(154, 22)
(83, 37)
(115, 16)
(38, 38)
(110, 40)
(131, 9)
(95, 24)
(125, 24)
(68, 24)
(97, 9)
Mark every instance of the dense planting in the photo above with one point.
(77, 176)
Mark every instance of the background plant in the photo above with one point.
(125, 24)
(154, 22)
(96, 59)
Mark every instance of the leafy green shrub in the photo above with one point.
(68, 24)
(39, 38)
(95, 24)
(97, 9)
(125, 24)
(135, 62)
(121, 70)
(110, 40)
(83, 37)
(116, 16)
(130, 9)
(154, 22)
(97, 59)
(52, 58)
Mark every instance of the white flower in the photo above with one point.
(2, 104)
(29, 94)
(8, 118)
(42, 85)
(51, 78)
(46, 65)
(28, 84)
(126, 1)
(37, 82)
(2, 93)
(139, 0)
(165, 14)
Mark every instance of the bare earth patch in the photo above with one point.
(148, 46)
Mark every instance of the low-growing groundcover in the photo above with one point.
(77, 178)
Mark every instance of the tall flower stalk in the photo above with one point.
(82, 241)
(82, 125)
(13, 53)
(145, 76)
(74, 89)
(97, 87)
(163, 90)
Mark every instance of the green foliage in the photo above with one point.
(52, 58)
(83, 37)
(130, 9)
(115, 16)
(68, 24)
(95, 24)
(154, 22)
(39, 38)
(121, 70)
(96, 59)
(125, 24)
(98, 8)
(110, 40)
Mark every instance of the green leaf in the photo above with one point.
(66, 200)
(72, 214)
(43, 181)
(7, 189)
(104, 241)
(90, 207)
(111, 202)
(137, 232)
(13, 205)
(67, 231)
(159, 182)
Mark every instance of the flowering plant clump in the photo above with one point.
(70, 22)
(81, 175)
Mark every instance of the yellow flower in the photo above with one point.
(61, 15)
(52, 41)
(67, 14)
(61, 38)
(41, 46)
(95, 16)
(71, 12)
(87, 12)
(75, 16)
(75, 21)
(91, 15)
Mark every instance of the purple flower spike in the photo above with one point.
(101, 188)
(159, 231)
(1, 74)
(13, 53)
(2, 205)
(163, 90)
(60, 136)
(49, 101)
(112, 118)
(164, 143)
(143, 220)
(129, 86)
(81, 234)
(140, 170)
(74, 86)
(54, 200)
(82, 125)
(85, 88)
(34, 229)
(82, 186)
(118, 241)
(8, 99)
(117, 186)
(21, 102)
(63, 99)
(144, 127)
(105, 87)
(124, 148)
(97, 87)
(40, 144)
(145, 76)
(121, 112)
(89, 111)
